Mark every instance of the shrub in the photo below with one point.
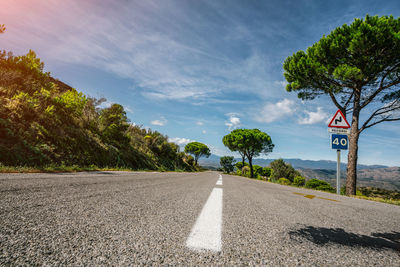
(327, 188)
(239, 172)
(260, 178)
(258, 170)
(239, 165)
(266, 172)
(246, 171)
(299, 181)
(284, 181)
(319, 185)
(283, 169)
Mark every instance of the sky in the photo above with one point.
(195, 70)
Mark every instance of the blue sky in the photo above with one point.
(194, 70)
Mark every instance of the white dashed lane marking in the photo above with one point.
(206, 232)
(219, 182)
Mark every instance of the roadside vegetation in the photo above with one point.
(45, 125)
(283, 173)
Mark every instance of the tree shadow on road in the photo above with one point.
(323, 236)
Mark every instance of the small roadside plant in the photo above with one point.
(283, 169)
(239, 165)
(258, 170)
(299, 181)
(319, 185)
(284, 181)
(246, 171)
(266, 171)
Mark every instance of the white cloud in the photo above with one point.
(200, 123)
(128, 109)
(314, 117)
(204, 131)
(180, 141)
(135, 41)
(233, 121)
(281, 83)
(274, 111)
(160, 122)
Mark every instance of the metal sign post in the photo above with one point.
(338, 142)
(339, 127)
(338, 173)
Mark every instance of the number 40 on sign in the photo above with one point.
(339, 141)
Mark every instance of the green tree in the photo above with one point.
(233, 141)
(198, 150)
(358, 67)
(282, 169)
(227, 163)
(251, 142)
(114, 124)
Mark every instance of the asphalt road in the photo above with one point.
(132, 218)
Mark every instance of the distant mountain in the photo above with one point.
(213, 161)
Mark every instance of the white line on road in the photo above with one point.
(219, 182)
(206, 232)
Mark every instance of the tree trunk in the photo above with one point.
(243, 156)
(351, 181)
(251, 166)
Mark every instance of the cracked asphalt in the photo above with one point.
(144, 219)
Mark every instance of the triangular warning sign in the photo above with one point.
(339, 121)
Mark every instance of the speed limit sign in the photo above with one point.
(339, 141)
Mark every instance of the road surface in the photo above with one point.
(136, 218)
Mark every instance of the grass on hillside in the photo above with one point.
(76, 168)
(55, 169)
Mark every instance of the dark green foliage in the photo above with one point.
(239, 165)
(266, 171)
(44, 122)
(258, 170)
(319, 185)
(299, 181)
(284, 181)
(198, 150)
(227, 163)
(283, 169)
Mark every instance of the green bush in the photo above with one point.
(284, 181)
(327, 188)
(239, 172)
(319, 185)
(283, 169)
(257, 170)
(246, 171)
(266, 171)
(239, 165)
(299, 181)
